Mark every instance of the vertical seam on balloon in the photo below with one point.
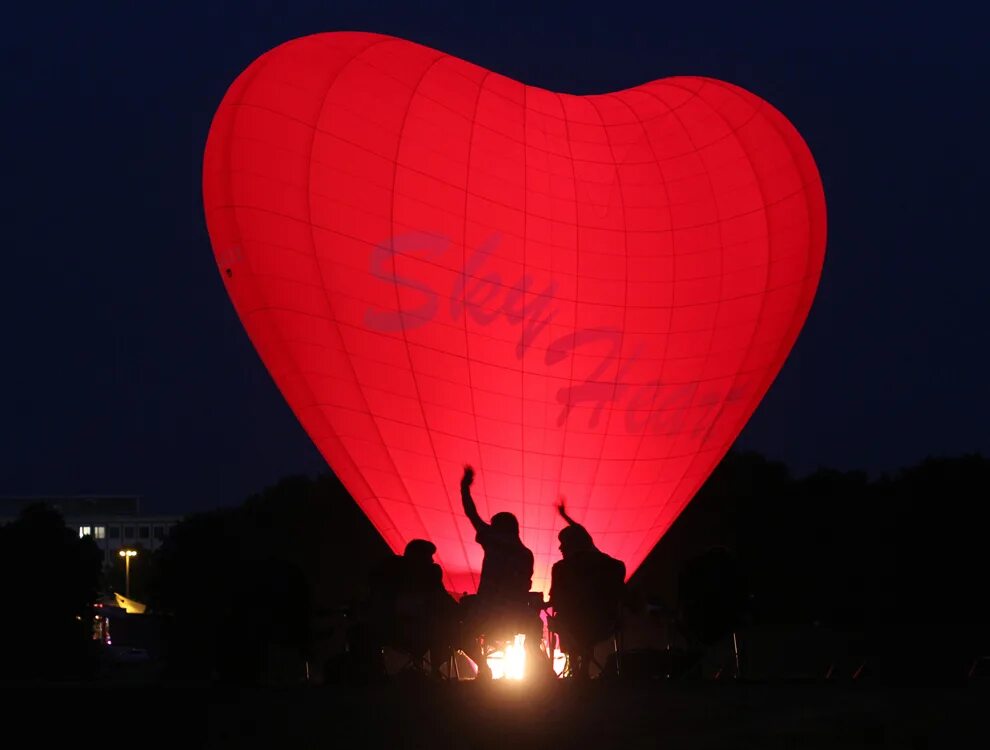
(302, 380)
(625, 307)
(577, 280)
(674, 436)
(736, 378)
(333, 317)
(711, 186)
(791, 333)
(544, 396)
(262, 63)
(670, 221)
(279, 341)
(464, 312)
(544, 575)
(764, 206)
(412, 370)
(316, 260)
(786, 139)
(522, 323)
(721, 275)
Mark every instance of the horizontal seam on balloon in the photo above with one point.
(277, 146)
(534, 400)
(492, 175)
(412, 168)
(587, 304)
(674, 457)
(443, 104)
(514, 341)
(549, 271)
(564, 298)
(537, 400)
(430, 123)
(487, 197)
(522, 144)
(670, 230)
(458, 73)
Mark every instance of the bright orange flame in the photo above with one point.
(510, 662)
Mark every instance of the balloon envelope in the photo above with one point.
(581, 296)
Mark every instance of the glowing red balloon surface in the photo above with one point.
(583, 296)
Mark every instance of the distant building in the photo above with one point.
(113, 521)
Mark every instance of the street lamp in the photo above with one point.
(127, 554)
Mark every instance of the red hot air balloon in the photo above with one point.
(581, 296)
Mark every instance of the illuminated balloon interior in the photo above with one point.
(580, 296)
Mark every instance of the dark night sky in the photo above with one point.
(126, 370)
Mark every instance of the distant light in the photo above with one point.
(127, 552)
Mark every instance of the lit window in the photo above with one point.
(85, 531)
(99, 532)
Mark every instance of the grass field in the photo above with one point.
(559, 714)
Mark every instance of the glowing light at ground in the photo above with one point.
(510, 661)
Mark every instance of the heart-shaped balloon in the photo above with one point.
(581, 296)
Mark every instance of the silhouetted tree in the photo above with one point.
(191, 583)
(241, 584)
(899, 561)
(48, 581)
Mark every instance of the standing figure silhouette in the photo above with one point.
(587, 590)
(502, 604)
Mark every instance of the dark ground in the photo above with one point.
(507, 716)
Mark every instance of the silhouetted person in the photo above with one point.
(586, 593)
(502, 605)
(410, 609)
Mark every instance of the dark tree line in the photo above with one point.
(898, 562)
(239, 590)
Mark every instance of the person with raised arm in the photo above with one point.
(503, 603)
(587, 589)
